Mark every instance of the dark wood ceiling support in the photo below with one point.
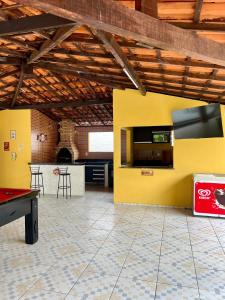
(148, 7)
(208, 82)
(60, 35)
(20, 82)
(55, 105)
(177, 94)
(121, 59)
(82, 75)
(200, 26)
(131, 57)
(13, 61)
(185, 76)
(159, 57)
(198, 9)
(11, 52)
(106, 15)
(32, 23)
(144, 74)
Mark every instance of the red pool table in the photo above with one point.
(16, 203)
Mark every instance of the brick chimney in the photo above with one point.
(67, 138)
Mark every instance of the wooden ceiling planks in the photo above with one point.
(81, 68)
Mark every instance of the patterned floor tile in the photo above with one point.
(212, 294)
(176, 235)
(127, 289)
(209, 279)
(147, 246)
(175, 245)
(143, 253)
(14, 288)
(208, 247)
(39, 294)
(107, 264)
(147, 238)
(93, 287)
(177, 274)
(120, 237)
(140, 269)
(63, 275)
(91, 238)
(19, 266)
(176, 257)
(174, 292)
(104, 225)
(114, 248)
(209, 261)
(96, 234)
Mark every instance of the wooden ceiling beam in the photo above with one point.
(13, 61)
(54, 105)
(148, 7)
(121, 59)
(81, 74)
(131, 57)
(60, 35)
(198, 9)
(32, 23)
(106, 15)
(208, 81)
(186, 95)
(144, 73)
(17, 91)
(200, 26)
(11, 52)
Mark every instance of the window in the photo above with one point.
(100, 142)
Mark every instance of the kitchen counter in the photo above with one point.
(77, 173)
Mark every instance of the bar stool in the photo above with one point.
(64, 182)
(37, 181)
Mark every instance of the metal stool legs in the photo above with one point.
(64, 182)
(37, 180)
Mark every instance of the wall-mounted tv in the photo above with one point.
(198, 122)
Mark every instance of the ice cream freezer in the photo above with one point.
(209, 195)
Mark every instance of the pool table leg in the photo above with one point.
(31, 223)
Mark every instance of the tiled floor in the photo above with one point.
(90, 249)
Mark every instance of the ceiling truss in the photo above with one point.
(50, 62)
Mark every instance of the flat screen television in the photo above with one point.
(198, 122)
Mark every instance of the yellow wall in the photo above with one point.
(15, 174)
(165, 187)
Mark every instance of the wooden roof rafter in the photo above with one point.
(60, 35)
(121, 59)
(136, 25)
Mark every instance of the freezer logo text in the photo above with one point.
(204, 194)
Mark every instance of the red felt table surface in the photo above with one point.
(11, 194)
